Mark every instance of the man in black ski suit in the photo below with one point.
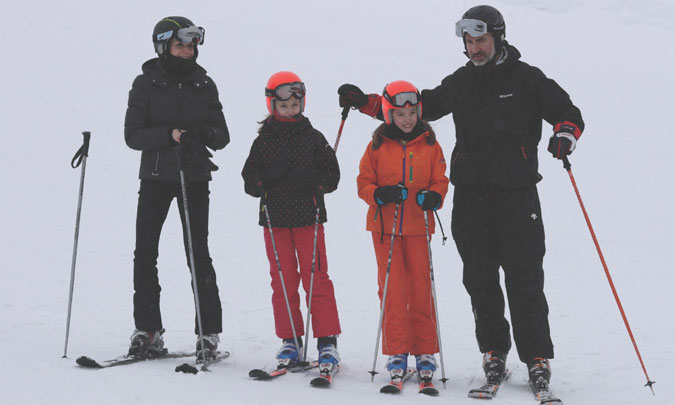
(498, 103)
(174, 104)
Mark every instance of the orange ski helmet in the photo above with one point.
(282, 86)
(397, 95)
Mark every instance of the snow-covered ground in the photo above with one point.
(67, 67)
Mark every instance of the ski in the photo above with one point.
(326, 373)
(543, 394)
(88, 362)
(426, 385)
(489, 390)
(262, 375)
(396, 384)
(200, 365)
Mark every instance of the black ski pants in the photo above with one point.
(496, 228)
(154, 200)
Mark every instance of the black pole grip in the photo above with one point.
(566, 163)
(85, 145)
(83, 152)
(345, 112)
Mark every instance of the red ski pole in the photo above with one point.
(345, 112)
(568, 167)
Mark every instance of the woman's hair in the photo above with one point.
(378, 134)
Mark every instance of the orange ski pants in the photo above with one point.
(409, 324)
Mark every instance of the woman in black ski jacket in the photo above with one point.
(174, 104)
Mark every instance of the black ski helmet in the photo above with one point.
(175, 27)
(491, 17)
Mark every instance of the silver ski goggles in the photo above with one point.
(475, 28)
(286, 91)
(187, 35)
(401, 99)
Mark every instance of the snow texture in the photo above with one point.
(67, 67)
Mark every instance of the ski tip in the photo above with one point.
(255, 373)
(429, 391)
(187, 369)
(87, 362)
(390, 389)
(320, 382)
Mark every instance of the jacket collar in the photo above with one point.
(426, 135)
(508, 55)
(151, 68)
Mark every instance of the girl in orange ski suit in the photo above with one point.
(417, 161)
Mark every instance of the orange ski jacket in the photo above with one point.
(419, 164)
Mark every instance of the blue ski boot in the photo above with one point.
(397, 365)
(289, 354)
(426, 365)
(328, 354)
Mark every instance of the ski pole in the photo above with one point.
(345, 112)
(568, 167)
(281, 277)
(433, 295)
(311, 279)
(384, 294)
(81, 158)
(188, 231)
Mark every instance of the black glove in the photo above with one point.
(429, 200)
(197, 150)
(275, 171)
(303, 177)
(388, 194)
(352, 96)
(563, 141)
(200, 131)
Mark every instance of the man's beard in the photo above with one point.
(486, 60)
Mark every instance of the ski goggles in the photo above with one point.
(475, 28)
(285, 91)
(186, 35)
(401, 99)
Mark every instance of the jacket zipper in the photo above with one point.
(400, 223)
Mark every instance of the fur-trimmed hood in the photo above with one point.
(385, 131)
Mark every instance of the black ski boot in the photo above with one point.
(494, 366)
(146, 343)
(208, 353)
(540, 373)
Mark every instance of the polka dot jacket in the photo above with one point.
(303, 147)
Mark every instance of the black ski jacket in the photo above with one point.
(498, 111)
(157, 105)
(303, 147)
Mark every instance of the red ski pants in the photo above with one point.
(409, 324)
(295, 247)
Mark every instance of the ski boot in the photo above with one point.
(146, 344)
(426, 365)
(329, 359)
(208, 352)
(494, 366)
(289, 354)
(397, 365)
(540, 373)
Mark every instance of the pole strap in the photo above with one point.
(83, 152)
